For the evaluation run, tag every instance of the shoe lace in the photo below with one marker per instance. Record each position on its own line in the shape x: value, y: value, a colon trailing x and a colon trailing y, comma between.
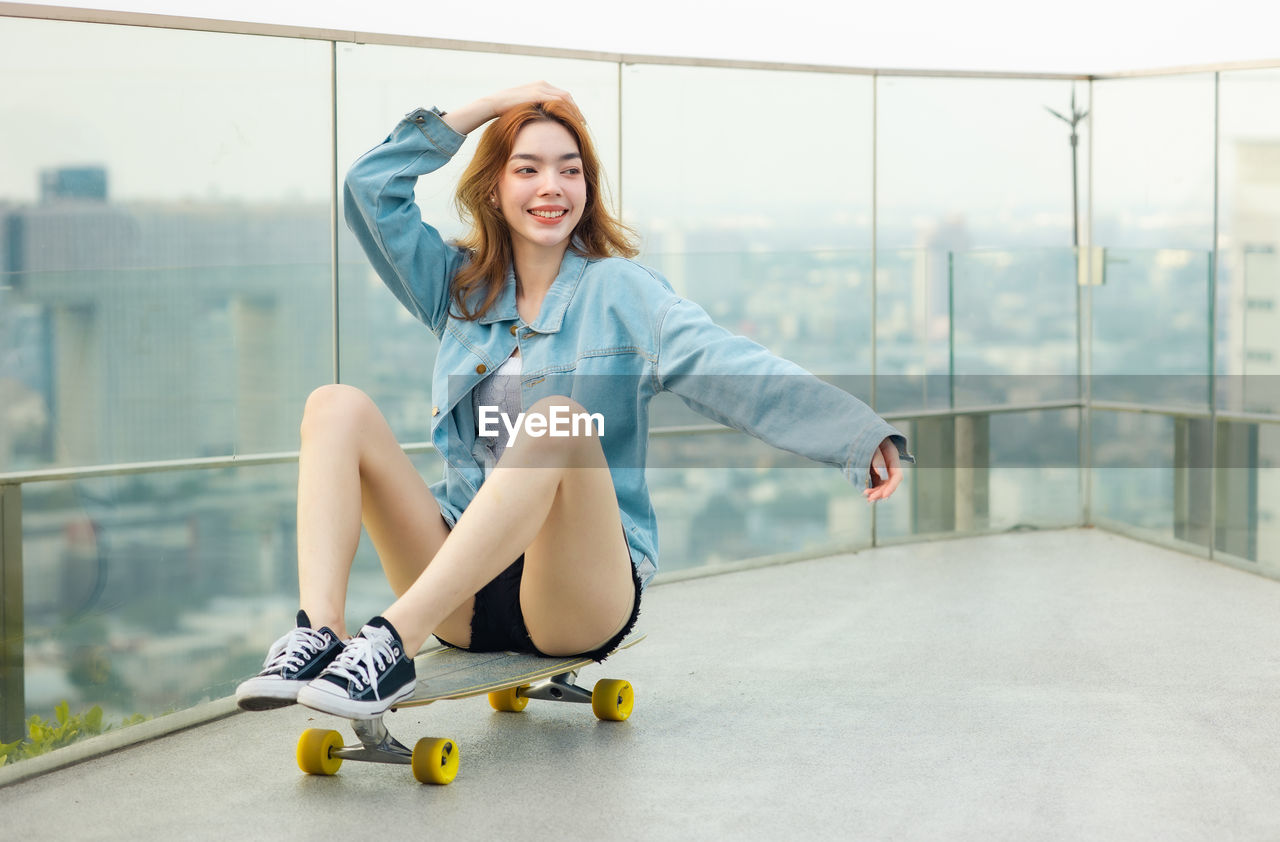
x: 292, y: 650
x: 362, y: 658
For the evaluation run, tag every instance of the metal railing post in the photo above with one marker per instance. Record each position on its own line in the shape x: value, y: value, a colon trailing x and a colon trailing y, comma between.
x: 12, y: 667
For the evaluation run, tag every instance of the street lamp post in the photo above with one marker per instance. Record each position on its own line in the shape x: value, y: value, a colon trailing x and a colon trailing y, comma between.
x: 1073, y: 121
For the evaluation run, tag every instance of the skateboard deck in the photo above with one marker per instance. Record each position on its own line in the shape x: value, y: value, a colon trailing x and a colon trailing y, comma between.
x: 510, y: 679
x: 448, y: 673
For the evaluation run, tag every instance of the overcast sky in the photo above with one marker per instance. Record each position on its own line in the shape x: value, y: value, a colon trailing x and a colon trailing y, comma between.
x: 159, y: 86
x: 1081, y: 36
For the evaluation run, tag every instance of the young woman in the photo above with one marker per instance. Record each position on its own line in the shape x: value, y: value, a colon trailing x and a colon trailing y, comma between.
x: 541, y: 543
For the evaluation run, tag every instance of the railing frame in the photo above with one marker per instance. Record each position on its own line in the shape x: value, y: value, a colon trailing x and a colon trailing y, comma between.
x: 11, y: 484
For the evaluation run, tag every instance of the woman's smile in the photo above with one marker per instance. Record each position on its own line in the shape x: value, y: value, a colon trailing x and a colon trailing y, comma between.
x: 549, y: 216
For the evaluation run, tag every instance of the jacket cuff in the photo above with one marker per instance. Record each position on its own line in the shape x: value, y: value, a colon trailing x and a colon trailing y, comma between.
x: 441, y: 135
x: 858, y: 469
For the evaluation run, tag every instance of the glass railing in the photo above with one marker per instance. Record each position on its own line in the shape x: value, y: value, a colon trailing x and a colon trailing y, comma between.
x: 147, y: 592
x: 1152, y: 331
x: 111, y: 366
x: 169, y: 295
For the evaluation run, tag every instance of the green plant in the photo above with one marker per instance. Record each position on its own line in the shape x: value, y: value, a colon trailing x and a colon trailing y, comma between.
x: 65, y: 729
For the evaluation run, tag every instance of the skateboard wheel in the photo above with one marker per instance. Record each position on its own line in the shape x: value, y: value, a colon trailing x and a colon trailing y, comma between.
x: 435, y: 761
x: 315, y: 751
x: 612, y: 699
x: 509, y: 700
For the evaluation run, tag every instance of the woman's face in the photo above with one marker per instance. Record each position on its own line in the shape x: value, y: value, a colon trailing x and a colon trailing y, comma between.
x: 543, y: 192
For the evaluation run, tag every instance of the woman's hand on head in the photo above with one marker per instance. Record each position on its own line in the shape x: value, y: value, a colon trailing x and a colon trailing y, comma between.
x: 472, y: 116
x: 886, y: 472
x: 503, y: 101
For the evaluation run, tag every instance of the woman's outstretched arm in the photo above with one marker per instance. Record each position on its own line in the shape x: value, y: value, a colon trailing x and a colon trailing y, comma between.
x: 739, y: 383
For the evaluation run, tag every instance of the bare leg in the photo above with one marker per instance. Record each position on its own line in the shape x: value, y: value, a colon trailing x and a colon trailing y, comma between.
x: 553, y: 499
x: 352, y: 470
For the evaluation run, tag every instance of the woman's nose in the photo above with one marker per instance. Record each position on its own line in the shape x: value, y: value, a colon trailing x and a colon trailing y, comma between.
x: 550, y: 184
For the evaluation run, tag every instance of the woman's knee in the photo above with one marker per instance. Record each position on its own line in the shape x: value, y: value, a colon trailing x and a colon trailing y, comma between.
x: 336, y: 406
x: 560, y: 426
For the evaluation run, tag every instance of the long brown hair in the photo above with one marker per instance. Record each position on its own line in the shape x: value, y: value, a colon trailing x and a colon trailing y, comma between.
x: 597, y: 234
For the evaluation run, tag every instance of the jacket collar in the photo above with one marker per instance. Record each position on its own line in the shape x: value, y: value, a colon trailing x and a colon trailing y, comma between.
x: 551, y: 316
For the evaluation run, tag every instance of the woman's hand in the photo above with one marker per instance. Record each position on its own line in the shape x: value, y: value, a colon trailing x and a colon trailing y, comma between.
x: 886, y: 472
x: 472, y: 116
x: 503, y: 101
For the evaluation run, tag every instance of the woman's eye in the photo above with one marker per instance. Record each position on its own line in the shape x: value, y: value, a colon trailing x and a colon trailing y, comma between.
x: 573, y: 171
x: 524, y: 170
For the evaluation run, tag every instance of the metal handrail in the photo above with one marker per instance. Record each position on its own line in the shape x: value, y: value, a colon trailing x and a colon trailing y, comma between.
x: 285, y: 457
x: 233, y: 27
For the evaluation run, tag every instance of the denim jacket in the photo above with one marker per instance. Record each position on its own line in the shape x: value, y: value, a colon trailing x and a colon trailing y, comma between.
x: 611, y: 334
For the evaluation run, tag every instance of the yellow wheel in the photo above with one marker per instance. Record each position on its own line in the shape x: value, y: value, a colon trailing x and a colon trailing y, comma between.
x: 612, y: 699
x: 509, y: 700
x: 315, y: 751
x: 435, y: 761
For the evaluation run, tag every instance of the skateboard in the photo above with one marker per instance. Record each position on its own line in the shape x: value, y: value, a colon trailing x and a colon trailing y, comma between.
x: 509, y: 679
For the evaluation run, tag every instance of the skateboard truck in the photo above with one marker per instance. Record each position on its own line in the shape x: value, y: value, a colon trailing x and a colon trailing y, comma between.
x: 321, y: 752
x: 376, y: 744
x: 561, y: 688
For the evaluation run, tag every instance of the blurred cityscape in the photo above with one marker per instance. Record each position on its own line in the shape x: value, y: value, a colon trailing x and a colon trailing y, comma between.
x: 148, y: 331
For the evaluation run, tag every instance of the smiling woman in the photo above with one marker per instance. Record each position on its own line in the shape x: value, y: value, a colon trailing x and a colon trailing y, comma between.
x: 537, y: 157
x: 544, y: 544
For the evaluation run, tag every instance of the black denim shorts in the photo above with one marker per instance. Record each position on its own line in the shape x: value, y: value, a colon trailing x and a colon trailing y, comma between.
x: 498, y: 622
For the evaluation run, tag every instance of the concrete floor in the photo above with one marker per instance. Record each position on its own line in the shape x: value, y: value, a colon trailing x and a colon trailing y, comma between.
x: 1055, y: 685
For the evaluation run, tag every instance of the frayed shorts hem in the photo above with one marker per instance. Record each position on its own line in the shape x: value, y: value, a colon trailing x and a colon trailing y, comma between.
x: 497, y: 624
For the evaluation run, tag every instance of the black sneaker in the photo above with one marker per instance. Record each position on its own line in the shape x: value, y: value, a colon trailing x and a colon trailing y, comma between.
x: 292, y: 663
x: 370, y: 675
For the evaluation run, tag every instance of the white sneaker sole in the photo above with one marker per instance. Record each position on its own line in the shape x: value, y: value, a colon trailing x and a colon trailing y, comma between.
x: 265, y: 693
x: 318, y: 696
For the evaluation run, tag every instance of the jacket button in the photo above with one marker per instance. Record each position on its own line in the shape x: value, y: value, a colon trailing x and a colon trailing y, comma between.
x: 480, y: 369
x: 514, y: 328
x: 435, y: 410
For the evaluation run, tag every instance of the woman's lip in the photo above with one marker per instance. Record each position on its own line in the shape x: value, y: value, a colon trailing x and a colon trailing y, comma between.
x: 549, y: 220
